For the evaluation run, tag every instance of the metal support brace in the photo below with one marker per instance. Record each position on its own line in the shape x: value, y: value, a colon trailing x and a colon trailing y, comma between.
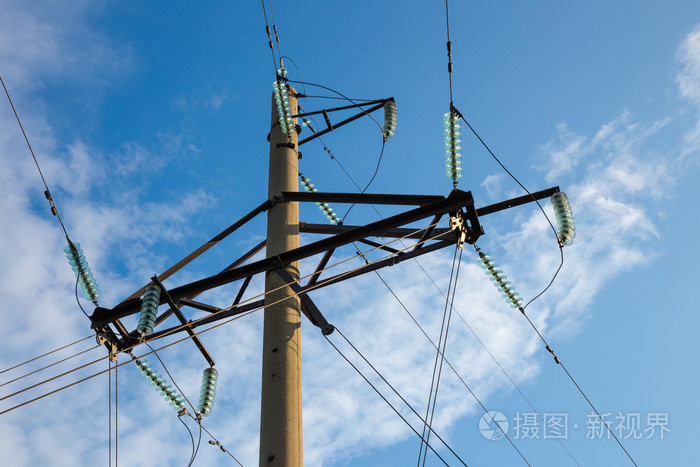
x: 308, y: 307
x: 176, y: 309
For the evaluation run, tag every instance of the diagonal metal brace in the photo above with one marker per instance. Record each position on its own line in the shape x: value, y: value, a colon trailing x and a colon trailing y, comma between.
x: 176, y: 310
x: 307, y: 305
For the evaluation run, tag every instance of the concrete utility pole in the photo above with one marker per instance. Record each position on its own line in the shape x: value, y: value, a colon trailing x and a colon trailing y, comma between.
x: 280, y: 414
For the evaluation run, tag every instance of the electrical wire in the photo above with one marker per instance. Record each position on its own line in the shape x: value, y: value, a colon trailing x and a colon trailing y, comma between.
x: 169, y: 375
x: 483, y: 345
x: 116, y: 412
x: 195, y: 333
x: 440, y: 351
x: 199, y: 442
x: 49, y: 366
x: 298, y: 72
x: 47, y: 192
x: 179, y: 417
x: 274, y: 28
x: 216, y: 442
x: 269, y: 36
x: 384, y: 397
x: 77, y: 299
x: 109, y: 416
x: 454, y: 370
x: 54, y: 209
x: 558, y: 361
x: 449, y: 46
x: 47, y: 354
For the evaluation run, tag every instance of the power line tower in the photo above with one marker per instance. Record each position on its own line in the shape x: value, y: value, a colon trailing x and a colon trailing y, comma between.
x: 287, y: 295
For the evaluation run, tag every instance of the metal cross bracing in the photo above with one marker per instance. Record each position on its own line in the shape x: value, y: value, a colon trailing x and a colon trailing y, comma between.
x: 464, y: 228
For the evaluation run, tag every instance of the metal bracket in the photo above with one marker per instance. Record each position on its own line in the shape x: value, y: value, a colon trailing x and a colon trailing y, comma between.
x: 104, y: 339
x: 175, y: 307
x: 459, y: 225
x: 308, y: 307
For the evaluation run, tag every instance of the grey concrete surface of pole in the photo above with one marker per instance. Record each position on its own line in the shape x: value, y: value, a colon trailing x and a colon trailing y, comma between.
x: 281, y: 409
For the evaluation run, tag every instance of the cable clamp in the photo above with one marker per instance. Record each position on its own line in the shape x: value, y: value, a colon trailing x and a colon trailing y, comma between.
x: 106, y: 340
x: 458, y: 224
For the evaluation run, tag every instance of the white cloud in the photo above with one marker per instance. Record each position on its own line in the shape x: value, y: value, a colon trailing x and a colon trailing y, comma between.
x: 688, y: 79
x: 565, y: 152
x: 689, y: 57
x: 492, y: 184
x: 44, y: 39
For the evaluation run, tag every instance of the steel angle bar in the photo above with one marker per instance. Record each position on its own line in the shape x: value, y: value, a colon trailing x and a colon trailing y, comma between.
x: 199, y: 251
x: 321, y: 265
x: 511, y: 203
x: 222, y: 314
x: 308, y: 307
x: 330, y: 229
x: 357, y: 198
x: 339, y: 124
x: 391, y: 261
x: 344, y: 107
x: 183, y: 321
x: 245, y: 257
x: 455, y: 201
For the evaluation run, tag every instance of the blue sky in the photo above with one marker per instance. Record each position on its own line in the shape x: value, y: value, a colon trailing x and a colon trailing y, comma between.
x: 149, y: 121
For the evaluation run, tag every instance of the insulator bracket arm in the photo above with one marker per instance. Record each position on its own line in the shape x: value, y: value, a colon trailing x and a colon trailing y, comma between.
x: 308, y: 307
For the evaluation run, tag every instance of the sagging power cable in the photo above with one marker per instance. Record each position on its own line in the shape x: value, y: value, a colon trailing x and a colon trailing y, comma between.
x: 395, y: 392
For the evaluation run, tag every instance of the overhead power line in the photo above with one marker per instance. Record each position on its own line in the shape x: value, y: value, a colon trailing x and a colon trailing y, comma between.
x: 47, y: 193
x: 395, y: 392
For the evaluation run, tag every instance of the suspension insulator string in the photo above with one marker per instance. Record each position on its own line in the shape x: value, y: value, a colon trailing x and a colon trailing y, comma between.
x: 208, y: 392
x: 390, y: 118
x: 171, y: 395
x: 149, y: 307
x: 284, y: 111
x: 82, y: 271
x: 323, y: 206
x: 566, y: 229
x: 453, y: 147
x: 499, y: 279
